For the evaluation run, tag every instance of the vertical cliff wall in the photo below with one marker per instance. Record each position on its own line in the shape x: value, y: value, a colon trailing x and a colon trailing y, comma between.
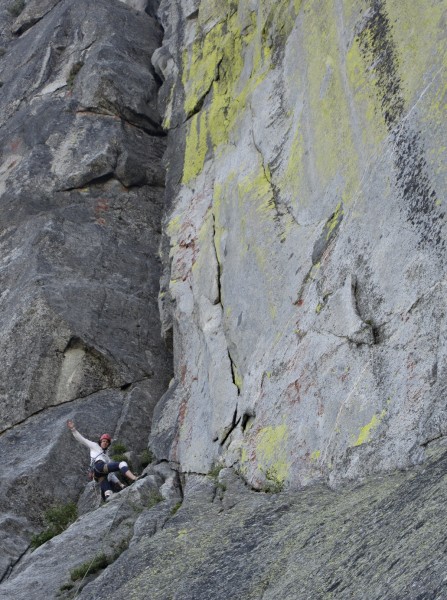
x: 302, y: 292
x: 305, y: 242
x: 81, y: 195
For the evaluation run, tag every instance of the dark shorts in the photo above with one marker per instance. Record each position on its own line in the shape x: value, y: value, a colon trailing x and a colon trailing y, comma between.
x: 112, y: 467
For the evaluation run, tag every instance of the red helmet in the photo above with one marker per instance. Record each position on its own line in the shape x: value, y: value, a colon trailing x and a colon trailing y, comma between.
x: 105, y: 436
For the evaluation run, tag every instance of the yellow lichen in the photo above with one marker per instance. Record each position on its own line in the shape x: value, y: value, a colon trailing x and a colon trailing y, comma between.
x: 238, y: 379
x: 200, y: 65
x: 174, y: 225
x: 364, y: 92
x: 366, y: 431
x: 329, y: 115
x: 169, y: 108
x: 294, y: 180
x: 297, y: 5
x: 418, y: 30
x: 182, y: 533
x: 315, y: 455
x: 271, y: 451
x: 196, y: 147
x: 214, y: 65
x: 334, y: 220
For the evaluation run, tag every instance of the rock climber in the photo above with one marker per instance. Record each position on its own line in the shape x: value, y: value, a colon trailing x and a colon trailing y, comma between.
x: 101, y: 461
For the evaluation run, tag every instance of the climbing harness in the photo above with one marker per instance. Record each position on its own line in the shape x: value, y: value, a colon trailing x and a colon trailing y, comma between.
x: 91, y: 475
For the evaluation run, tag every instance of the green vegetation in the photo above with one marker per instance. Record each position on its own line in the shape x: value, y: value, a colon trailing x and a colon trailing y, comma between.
x: 175, y: 508
x: 274, y: 483
x: 16, y: 7
x: 100, y: 561
x: 117, y: 448
x: 215, y: 470
x: 118, y: 453
x: 58, y: 518
x: 66, y: 586
x: 272, y: 457
x: 73, y: 72
x: 154, y: 499
x: 214, y: 474
x: 146, y: 458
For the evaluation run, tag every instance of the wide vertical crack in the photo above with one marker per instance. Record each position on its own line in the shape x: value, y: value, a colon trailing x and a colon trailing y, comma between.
x: 219, y: 266
x: 234, y: 423
x: 219, y: 300
x: 234, y: 373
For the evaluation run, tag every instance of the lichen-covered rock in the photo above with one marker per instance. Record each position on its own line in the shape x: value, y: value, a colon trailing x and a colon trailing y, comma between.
x: 302, y: 291
x: 81, y: 197
x: 380, y: 540
x: 304, y: 254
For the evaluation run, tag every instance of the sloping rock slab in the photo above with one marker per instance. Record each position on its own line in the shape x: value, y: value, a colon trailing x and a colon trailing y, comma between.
x: 383, y: 539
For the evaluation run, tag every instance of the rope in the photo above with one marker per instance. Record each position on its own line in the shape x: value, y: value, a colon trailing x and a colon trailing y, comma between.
x: 104, y: 537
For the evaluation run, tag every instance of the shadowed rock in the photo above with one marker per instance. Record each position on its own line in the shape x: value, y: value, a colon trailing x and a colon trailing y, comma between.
x: 81, y: 195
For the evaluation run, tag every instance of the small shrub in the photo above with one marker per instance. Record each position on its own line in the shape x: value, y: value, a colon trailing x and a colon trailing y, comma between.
x: 16, y: 7
x: 215, y: 470
x: 40, y: 538
x: 119, y: 457
x: 58, y: 518
x: 175, y: 508
x: 274, y: 483
x: 66, y: 586
x: 117, y: 448
x: 154, y: 499
x: 146, y: 458
x: 274, y: 487
x: 100, y: 561
x: 117, y: 453
x: 73, y: 72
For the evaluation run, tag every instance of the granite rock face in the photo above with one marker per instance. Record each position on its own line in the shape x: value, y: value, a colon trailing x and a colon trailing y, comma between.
x: 304, y: 249
x: 302, y: 292
x: 378, y: 540
x: 106, y: 532
x: 81, y: 196
x: 317, y: 543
